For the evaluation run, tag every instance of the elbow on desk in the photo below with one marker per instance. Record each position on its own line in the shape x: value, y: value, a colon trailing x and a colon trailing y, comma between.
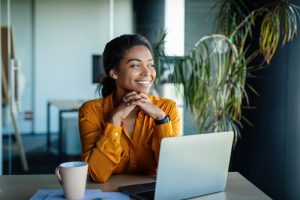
x: 97, y: 173
x: 98, y: 177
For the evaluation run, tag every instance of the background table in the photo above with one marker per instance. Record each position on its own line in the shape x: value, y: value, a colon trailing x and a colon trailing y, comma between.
x: 63, y: 106
x: 24, y: 186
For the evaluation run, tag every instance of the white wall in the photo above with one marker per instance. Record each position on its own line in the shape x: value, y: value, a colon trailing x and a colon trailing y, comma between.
x: 123, y: 17
x: 67, y: 33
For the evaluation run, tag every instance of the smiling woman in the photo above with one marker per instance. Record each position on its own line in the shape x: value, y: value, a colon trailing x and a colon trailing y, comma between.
x: 121, y: 132
x: 136, y: 71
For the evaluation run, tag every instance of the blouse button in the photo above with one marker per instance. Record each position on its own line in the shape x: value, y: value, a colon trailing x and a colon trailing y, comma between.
x: 116, y: 134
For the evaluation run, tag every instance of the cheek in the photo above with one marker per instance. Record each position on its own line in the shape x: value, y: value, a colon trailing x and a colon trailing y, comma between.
x: 153, y: 73
x: 125, y: 75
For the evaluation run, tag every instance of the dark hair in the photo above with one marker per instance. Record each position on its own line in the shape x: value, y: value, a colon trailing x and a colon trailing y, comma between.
x: 113, y: 52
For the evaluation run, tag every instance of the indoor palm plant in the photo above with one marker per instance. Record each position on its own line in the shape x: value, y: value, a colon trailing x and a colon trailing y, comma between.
x: 279, y: 19
x: 214, y: 72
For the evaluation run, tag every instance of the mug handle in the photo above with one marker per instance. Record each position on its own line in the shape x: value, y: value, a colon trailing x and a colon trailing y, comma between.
x: 57, y: 173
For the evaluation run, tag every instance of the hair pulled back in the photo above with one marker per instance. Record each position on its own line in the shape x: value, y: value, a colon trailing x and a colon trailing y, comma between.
x: 113, y: 52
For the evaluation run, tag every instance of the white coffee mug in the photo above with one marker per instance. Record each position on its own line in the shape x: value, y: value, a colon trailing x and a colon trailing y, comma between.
x: 72, y: 176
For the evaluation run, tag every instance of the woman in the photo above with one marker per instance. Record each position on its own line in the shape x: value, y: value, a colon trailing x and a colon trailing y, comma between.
x: 121, y: 132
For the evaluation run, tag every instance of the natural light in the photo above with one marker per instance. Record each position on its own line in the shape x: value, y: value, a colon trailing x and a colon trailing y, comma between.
x: 174, y: 24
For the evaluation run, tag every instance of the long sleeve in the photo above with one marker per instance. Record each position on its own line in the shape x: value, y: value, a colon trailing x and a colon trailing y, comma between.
x: 109, y: 150
x: 100, y: 142
x: 170, y: 129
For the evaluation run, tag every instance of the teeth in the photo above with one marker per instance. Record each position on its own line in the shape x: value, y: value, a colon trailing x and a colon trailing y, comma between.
x: 144, y: 82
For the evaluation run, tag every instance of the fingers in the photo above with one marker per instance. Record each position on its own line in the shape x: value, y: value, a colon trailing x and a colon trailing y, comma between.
x: 137, y: 103
x: 144, y: 97
x: 147, y: 107
x: 129, y: 95
x: 130, y: 101
x: 142, y: 101
x: 120, y: 112
x: 134, y: 96
x: 136, y: 99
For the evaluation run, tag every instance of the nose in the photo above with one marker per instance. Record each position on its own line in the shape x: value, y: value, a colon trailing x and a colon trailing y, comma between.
x: 145, y: 70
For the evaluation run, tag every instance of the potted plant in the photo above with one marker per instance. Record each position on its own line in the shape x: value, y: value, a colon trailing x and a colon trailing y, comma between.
x: 213, y: 74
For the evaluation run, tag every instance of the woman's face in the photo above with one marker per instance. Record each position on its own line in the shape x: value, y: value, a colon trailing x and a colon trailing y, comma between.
x: 136, y: 71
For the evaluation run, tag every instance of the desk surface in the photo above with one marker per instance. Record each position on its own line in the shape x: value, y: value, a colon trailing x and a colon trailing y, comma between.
x: 66, y: 104
x: 24, y: 186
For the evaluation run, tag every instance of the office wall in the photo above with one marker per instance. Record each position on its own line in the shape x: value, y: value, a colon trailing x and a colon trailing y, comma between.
x: 269, y: 153
x: 66, y: 33
x: 55, y: 41
x: 292, y: 127
x: 123, y: 17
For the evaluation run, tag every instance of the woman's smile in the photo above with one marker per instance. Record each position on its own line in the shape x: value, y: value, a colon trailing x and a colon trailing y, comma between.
x: 146, y: 83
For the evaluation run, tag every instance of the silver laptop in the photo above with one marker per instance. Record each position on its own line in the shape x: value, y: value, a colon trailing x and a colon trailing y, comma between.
x: 189, y: 166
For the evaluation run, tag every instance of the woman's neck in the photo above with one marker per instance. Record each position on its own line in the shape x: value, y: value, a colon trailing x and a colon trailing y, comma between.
x: 117, y: 100
x: 118, y: 96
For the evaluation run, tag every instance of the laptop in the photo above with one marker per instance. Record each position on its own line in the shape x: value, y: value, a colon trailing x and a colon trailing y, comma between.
x: 189, y: 166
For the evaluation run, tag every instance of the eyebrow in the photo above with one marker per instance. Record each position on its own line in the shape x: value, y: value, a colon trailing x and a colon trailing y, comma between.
x: 136, y: 59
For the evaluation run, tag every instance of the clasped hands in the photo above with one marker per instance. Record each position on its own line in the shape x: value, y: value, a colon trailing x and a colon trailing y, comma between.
x: 132, y: 100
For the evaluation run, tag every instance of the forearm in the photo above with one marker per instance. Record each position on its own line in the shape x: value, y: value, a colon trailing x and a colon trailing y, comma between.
x: 169, y: 129
x: 160, y: 132
x: 105, y: 154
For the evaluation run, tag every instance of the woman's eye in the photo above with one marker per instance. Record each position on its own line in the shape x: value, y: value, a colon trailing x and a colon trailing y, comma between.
x: 135, y: 65
x: 151, y: 65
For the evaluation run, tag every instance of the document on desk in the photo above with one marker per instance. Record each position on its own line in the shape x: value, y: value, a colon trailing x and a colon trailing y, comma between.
x: 95, y: 194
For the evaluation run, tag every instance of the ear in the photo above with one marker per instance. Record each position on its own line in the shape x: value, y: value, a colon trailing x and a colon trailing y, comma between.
x: 113, y: 74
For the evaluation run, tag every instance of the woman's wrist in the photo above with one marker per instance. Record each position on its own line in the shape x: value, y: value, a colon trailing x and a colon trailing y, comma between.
x: 115, y: 120
x: 161, y: 115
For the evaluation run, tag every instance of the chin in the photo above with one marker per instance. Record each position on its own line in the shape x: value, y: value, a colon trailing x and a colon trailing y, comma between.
x: 145, y: 91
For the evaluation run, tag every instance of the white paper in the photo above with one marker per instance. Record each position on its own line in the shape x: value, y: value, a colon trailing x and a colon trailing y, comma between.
x: 90, y: 194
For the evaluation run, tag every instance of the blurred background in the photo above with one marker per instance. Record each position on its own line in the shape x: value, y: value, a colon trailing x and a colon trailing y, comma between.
x: 50, y: 65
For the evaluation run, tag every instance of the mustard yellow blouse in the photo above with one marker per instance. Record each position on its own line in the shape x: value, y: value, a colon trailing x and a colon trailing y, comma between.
x: 110, y: 150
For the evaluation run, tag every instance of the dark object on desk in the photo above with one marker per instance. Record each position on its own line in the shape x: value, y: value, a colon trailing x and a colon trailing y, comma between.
x: 98, y: 69
x: 140, y: 191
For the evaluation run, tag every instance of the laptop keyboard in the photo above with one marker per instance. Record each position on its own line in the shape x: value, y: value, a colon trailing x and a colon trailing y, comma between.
x: 149, y: 186
x: 143, y: 191
x: 149, y: 195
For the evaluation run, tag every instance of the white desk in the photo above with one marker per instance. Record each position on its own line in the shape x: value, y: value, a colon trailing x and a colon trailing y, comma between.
x: 63, y: 106
x: 24, y: 186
